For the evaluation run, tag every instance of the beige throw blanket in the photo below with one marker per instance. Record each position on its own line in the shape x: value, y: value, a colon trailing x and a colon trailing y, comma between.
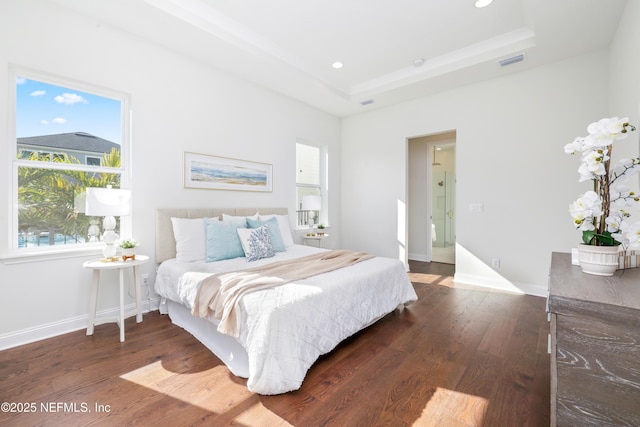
x: 219, y: 294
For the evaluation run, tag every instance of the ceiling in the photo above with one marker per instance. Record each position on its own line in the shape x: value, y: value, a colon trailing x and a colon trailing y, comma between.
x: 289, y: 46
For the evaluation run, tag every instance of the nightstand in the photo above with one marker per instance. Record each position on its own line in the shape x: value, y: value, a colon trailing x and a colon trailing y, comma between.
x: 317, y: 238
x: 98, y: 266
x: 594, y: 336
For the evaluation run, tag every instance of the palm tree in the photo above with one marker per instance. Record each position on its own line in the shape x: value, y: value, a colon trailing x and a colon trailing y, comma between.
x: 47, y: 197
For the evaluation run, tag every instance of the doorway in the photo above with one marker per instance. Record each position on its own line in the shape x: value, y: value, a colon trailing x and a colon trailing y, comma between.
x: 431, y: 198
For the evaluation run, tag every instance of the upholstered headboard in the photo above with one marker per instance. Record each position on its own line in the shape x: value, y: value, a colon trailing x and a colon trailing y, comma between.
x: 166, y: 243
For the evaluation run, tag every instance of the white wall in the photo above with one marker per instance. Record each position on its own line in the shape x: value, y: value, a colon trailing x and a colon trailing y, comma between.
x: 624, y: 77
x: 510, y: 137
x: 625, y: 87
x: 178, y: 105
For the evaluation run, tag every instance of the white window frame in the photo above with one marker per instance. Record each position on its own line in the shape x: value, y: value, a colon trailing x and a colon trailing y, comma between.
x: 86, y: 159
x: 323, y: 187
x: 11, y: 253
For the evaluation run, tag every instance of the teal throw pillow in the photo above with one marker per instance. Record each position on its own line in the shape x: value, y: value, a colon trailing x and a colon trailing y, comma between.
x: 222, y: 241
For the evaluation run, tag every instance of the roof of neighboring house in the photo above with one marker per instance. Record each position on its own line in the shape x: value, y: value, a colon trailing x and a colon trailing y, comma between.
x: 79, y: 141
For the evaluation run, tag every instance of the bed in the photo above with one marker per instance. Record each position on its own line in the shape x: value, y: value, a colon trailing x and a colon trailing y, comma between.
x: 283, y: 329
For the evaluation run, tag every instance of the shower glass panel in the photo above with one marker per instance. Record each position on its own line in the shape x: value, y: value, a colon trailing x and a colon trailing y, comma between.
x: 443, y: 210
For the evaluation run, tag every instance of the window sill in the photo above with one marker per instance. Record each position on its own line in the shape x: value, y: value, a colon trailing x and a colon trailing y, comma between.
x: 305, y: 229
x: 17, y: 257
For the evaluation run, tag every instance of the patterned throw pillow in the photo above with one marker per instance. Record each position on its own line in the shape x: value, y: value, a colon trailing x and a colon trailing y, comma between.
x: 274, y: 231
x: 256, y: 243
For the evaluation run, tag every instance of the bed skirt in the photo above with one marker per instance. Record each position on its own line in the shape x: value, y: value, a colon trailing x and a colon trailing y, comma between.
x: 227, y: 348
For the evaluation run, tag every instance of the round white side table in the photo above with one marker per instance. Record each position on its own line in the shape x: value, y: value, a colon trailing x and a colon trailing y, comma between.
x: 98, y: 266
x: 316, y: 238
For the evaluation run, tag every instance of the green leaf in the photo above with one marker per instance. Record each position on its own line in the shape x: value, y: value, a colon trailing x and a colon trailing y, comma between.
x: 587, y: 237
x: 604, y: 239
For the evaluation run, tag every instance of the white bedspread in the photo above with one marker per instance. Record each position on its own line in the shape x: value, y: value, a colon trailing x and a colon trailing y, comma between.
x: 287, y: 328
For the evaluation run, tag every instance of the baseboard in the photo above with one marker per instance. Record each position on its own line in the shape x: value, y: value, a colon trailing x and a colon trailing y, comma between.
x: 53, y: 329
x: 535, y: 290
x: 418, y: 257
x: 501, y: 285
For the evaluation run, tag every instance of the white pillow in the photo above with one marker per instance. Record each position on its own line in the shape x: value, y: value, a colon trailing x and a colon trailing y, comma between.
x: 190, y: 238
x: 283, y: 225
x: 256, y: 243
x: 240, y: 221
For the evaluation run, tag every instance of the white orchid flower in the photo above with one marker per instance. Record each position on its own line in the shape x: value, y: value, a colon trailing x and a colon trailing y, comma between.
x: 607, y: 130
x: 575, y: 147
x: 611, y: 195
x: 613, y: 223
x: 632, y: 236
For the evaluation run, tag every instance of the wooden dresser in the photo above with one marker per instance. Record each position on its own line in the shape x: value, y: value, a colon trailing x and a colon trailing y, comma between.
x: 595, y: 346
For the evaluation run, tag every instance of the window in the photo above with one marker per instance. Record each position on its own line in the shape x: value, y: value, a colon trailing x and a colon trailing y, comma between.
x: 68, y: 137
x: 93, y: 161
x: 309, y: 177
x: 25, y: 154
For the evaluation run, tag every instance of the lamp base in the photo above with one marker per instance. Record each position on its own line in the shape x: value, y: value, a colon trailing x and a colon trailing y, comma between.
x: 109, y: 250
x: 109, y: 237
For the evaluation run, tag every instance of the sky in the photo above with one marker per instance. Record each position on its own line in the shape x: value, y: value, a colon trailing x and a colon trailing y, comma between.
x: 46, y: 109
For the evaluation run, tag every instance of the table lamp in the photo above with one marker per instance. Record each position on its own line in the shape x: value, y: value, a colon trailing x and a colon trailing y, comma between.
x: 109, y: 203
x: 311, y: 204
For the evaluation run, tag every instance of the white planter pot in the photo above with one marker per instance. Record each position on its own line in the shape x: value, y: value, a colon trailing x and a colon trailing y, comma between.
x: 598, y: 260
x: 128, y: 253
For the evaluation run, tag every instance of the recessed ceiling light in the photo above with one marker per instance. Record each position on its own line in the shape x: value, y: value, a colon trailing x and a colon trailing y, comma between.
x: 337, y: 65
x: 482, y: 3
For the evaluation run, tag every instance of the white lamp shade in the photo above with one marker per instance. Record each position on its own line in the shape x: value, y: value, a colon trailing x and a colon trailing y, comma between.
x: 311, y: 203
x: 107, y: 202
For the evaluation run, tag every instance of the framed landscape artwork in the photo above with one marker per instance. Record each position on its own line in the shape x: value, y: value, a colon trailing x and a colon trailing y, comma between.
x: 221, y: 173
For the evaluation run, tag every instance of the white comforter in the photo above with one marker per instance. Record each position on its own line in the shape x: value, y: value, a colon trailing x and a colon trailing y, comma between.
x: 287, y: 328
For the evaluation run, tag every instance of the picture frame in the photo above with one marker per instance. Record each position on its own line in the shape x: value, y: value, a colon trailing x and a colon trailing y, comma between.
x: 209, y: 172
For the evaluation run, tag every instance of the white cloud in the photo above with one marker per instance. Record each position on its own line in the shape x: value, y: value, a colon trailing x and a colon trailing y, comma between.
x: 70, y: 98
x: 56, y: 121
x: 37, y: 93
x: 20, y: 80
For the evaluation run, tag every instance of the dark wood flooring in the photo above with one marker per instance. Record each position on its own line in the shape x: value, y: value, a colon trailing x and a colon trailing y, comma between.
x: 457, y: 357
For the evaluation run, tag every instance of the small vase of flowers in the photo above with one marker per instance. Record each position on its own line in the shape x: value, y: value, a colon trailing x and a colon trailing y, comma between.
x: 601, y: 214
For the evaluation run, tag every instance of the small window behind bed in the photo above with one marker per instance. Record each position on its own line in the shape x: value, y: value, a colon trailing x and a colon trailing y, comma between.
x: 309, y: 177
